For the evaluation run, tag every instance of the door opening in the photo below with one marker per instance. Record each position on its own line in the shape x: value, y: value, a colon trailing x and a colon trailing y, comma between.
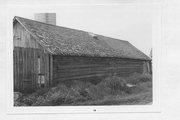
x: 41, y: 78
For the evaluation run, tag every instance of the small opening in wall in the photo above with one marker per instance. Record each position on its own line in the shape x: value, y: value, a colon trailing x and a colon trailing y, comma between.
x: 16, y: 37
x: 93, y: 35
x: 41, y: 76
x: 41, y: 80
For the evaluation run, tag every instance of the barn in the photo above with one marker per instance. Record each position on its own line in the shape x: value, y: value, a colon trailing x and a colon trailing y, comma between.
x: 45, y: 54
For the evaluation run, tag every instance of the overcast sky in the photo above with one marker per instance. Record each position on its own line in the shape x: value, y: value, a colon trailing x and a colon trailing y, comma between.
x: 126, y: 21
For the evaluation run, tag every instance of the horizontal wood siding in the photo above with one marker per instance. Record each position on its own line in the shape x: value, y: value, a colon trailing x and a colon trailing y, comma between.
x: 26, y: 68
x: 66, y: 67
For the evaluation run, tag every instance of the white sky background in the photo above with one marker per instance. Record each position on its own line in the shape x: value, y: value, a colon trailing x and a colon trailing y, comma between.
x: 130, y: 22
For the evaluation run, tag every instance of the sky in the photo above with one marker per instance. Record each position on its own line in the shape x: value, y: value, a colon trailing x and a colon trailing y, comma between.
x: 130, y: 22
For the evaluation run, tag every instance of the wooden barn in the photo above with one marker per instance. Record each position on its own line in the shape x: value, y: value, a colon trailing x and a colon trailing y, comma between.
x: 46, y: 54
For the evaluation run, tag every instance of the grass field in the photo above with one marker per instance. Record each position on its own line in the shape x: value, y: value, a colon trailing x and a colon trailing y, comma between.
x: 114, y: 90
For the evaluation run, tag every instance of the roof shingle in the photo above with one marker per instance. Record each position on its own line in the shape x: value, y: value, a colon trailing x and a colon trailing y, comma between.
x: 60, y: 40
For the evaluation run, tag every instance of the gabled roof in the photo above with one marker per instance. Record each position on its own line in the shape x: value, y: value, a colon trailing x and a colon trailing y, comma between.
x: 65, y: 41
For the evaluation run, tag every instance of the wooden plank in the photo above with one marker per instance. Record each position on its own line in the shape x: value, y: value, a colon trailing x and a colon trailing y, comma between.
x: 51, y: 69
x: 19, y: 82
x: 94, y: 71
x: 47, y: 70
x: 64, y: 69
x: 81, y: 67
x: 23, y: 68
x: 14, y: 78
x: 15, y: 70
x: 19, y: 69
x: 30, y: 69
x: 26, y: 68
x: 91, y: 73
x: 32, y: 55
x: 26, y: 77
x: 79, y: 77
x: 34, y: 67
x: 32, y: 79
x: 43, y: 63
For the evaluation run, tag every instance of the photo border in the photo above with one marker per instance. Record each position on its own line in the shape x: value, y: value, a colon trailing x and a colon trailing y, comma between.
x: 154, y: 108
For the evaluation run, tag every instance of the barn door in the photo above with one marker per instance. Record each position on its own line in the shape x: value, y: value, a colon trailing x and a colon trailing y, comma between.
x: 24, y: 72
x: 31, y: 69
x: 41, y: 72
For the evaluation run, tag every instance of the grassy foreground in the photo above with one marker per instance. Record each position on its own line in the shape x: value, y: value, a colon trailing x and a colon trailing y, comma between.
x: 134, y: 90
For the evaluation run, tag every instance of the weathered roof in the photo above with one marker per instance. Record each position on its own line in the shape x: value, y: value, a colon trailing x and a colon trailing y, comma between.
x: 65, y: 41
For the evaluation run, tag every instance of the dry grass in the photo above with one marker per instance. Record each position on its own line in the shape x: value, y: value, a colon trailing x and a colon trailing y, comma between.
x: 137, y: 78
x: 110, y: 91
x: 140, y: 98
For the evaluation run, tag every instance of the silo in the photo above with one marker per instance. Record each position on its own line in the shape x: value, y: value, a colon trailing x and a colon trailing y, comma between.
x: 49, y: 18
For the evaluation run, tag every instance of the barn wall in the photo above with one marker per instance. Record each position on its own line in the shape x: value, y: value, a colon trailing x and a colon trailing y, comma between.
x: 146, y: 67
x: 25, y: 57
x: 22, y: 38
x: 26, y: 71
x: 68, y: 68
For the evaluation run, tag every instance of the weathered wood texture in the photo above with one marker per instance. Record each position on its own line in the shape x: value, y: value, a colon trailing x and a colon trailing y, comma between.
x: 26, y: 68
x: 22, y: 38
x: 58, y: 68
x: 147, y: 67
x: 69, y: 67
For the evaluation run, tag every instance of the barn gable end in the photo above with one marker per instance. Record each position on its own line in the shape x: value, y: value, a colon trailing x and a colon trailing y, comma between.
x: 26, y: 54
x: 22, y: 38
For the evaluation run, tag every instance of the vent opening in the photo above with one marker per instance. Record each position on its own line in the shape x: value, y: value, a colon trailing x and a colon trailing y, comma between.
x: 93, y: 35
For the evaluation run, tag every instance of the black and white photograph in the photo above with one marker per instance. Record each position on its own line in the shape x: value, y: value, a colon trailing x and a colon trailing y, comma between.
x: 83, y: 56
x: 89, y: 59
